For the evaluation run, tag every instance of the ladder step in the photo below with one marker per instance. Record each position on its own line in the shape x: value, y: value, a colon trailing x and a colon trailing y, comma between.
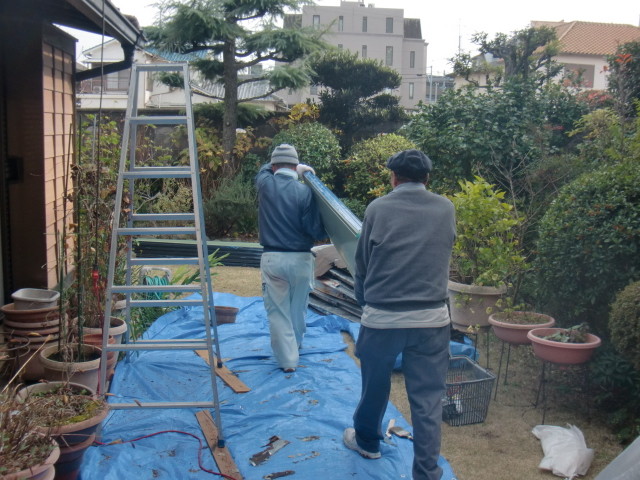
x: 178, y: 302
x: 159, y: 120
x: 166, y: 261
x: 156, y: 288
x: 163, y: 217
x: 156, y: 231
x: 168, y: 172
x: 160, y: 67
x: 197, y: 344
x: 119, y: 406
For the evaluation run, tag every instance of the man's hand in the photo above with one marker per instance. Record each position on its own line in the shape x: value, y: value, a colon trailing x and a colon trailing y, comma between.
x: 301, y: 168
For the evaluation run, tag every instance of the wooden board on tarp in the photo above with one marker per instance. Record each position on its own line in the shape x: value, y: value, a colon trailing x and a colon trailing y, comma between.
x: 226, y: 375
x: 326, y: 309
x: 221, y: 455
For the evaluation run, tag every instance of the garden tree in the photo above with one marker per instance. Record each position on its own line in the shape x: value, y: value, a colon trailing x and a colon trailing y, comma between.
x: 499, y: 134
x: 624, y: 78
x: 353, y: 101
x: 238, y: 34
x: 526, y: 54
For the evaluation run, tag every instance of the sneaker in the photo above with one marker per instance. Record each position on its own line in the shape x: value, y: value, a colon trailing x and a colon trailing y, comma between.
x: 349, y: 439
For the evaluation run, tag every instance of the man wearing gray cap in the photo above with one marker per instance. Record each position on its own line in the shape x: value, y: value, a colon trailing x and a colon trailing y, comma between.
x: 289, y: 223
x: 402, y: 269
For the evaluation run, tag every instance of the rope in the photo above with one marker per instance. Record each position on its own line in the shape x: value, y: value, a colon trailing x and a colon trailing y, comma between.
x: 200, y: 448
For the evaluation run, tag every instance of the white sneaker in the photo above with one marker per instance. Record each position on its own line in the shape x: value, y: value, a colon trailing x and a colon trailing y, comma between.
x: 349, y: 439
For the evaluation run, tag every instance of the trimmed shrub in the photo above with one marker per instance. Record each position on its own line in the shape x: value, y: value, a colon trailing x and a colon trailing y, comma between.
x: 365, y: 174
x: 589, y: 245
x: 317, y: 146
x: 624, y: 323
x: 232, y: 210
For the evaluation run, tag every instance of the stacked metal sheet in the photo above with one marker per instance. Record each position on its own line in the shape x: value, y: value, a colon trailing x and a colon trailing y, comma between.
x: 333, y: 294
x: 241, y: 254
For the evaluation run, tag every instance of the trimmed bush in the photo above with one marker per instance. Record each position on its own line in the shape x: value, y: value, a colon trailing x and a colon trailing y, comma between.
x: 365, y: 174
x: 624, y: 323
x: 232, y: 210
x: 317, y: 146
x: 589, y: 245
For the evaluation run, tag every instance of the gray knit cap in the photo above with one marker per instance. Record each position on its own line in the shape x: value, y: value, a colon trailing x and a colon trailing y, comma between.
x: 284, y: 153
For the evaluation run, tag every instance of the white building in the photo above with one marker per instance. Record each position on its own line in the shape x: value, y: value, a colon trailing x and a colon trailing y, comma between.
x: 380, y: 33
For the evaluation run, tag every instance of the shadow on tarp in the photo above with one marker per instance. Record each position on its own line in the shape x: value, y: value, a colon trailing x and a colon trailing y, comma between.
x: 309, y: 408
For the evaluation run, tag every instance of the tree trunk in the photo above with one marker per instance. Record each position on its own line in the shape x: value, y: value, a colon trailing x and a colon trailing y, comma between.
x: 230, y: 116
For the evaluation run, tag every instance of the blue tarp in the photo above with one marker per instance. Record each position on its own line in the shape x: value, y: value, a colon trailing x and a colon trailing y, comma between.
x: 309, y: 408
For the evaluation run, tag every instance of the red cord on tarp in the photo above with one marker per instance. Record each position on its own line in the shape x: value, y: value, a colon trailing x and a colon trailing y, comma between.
x: 174, y: 431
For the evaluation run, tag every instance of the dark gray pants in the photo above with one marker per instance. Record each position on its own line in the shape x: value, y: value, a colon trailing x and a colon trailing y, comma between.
x: 425, y: 359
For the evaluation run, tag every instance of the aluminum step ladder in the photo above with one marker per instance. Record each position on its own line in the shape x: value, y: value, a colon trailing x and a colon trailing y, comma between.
x: 130, y: 224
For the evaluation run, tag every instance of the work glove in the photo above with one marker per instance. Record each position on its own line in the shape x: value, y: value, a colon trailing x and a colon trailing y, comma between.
x: 301, y: 168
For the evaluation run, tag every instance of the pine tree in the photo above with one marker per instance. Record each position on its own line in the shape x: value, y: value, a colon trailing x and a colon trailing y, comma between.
x: 237, y: 35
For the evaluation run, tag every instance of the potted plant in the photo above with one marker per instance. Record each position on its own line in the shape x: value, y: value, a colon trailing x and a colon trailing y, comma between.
x: 566, y: 346
x: 486, y: 254
x: 512, y: 326
x: 24, y: 452
x: 69, y: 413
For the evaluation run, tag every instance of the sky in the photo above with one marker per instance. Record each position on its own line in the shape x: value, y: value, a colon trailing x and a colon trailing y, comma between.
x: 448, y: 27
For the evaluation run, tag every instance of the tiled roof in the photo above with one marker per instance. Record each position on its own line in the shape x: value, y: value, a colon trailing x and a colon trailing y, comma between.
x: 177, y: 57
x: 589, y: 38
x: 245, y: 90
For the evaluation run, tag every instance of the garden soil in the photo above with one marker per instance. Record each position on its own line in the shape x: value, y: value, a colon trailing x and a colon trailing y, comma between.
x: 502, y: 447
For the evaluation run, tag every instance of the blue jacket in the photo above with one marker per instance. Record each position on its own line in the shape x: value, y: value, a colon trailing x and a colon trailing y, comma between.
x: 288, y: 217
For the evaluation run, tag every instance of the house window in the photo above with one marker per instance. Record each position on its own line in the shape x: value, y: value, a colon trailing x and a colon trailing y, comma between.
x: 364, y: 24
x: 411, y: 90
x: 341, y: 23
x: 316, y: 21
x: 364, y: 51
x: 118, y: 81
x: 389, y: 57
x: 340, y: 46
x: 579, y: 75
x: 313, y: 90
x: 412, y: 59
x: 389, y: 24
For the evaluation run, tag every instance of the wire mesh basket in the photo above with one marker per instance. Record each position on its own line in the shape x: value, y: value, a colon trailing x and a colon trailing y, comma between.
x: 468, y: 392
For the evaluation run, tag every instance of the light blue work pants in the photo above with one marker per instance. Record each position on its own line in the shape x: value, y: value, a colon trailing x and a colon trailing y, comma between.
x: 425, y: 359
x: 286, y: 282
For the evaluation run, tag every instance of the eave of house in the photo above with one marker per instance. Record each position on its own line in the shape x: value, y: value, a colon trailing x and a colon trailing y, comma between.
x: 84, y: 15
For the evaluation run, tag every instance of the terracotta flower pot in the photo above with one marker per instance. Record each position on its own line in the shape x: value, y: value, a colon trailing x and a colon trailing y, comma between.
x: 117, y: 328
x: 73, y: 438
x: 44, y: 471
x: 469, y: 304
x: 30, y: 316
x: 225, y: 314
x: 515, y: 331
x: 560, y: 352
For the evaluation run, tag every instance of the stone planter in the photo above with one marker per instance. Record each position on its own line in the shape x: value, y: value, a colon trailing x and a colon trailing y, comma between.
x: 85, y: 373
x: 471, y: 305
x: 560, y: 352
x: 515, y: 331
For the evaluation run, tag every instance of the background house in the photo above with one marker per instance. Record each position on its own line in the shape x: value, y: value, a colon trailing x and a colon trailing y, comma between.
x: 111, y: 92
x: 37, y: 127
x: 584, y: 48
x: 379, y: 33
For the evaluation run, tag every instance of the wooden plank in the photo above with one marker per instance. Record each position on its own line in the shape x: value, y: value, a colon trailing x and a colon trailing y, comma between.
x: 226, y: 375
x: 222, y: 456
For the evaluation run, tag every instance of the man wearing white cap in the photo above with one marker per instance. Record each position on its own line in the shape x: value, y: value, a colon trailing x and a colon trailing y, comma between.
x: 289, y: 223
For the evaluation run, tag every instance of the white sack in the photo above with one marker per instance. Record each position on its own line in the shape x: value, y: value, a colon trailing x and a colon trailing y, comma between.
x: 565, y: 451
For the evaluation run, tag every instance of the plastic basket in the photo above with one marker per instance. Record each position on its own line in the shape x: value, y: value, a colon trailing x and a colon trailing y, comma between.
x: 468, y: 392
x: 34, y: 298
